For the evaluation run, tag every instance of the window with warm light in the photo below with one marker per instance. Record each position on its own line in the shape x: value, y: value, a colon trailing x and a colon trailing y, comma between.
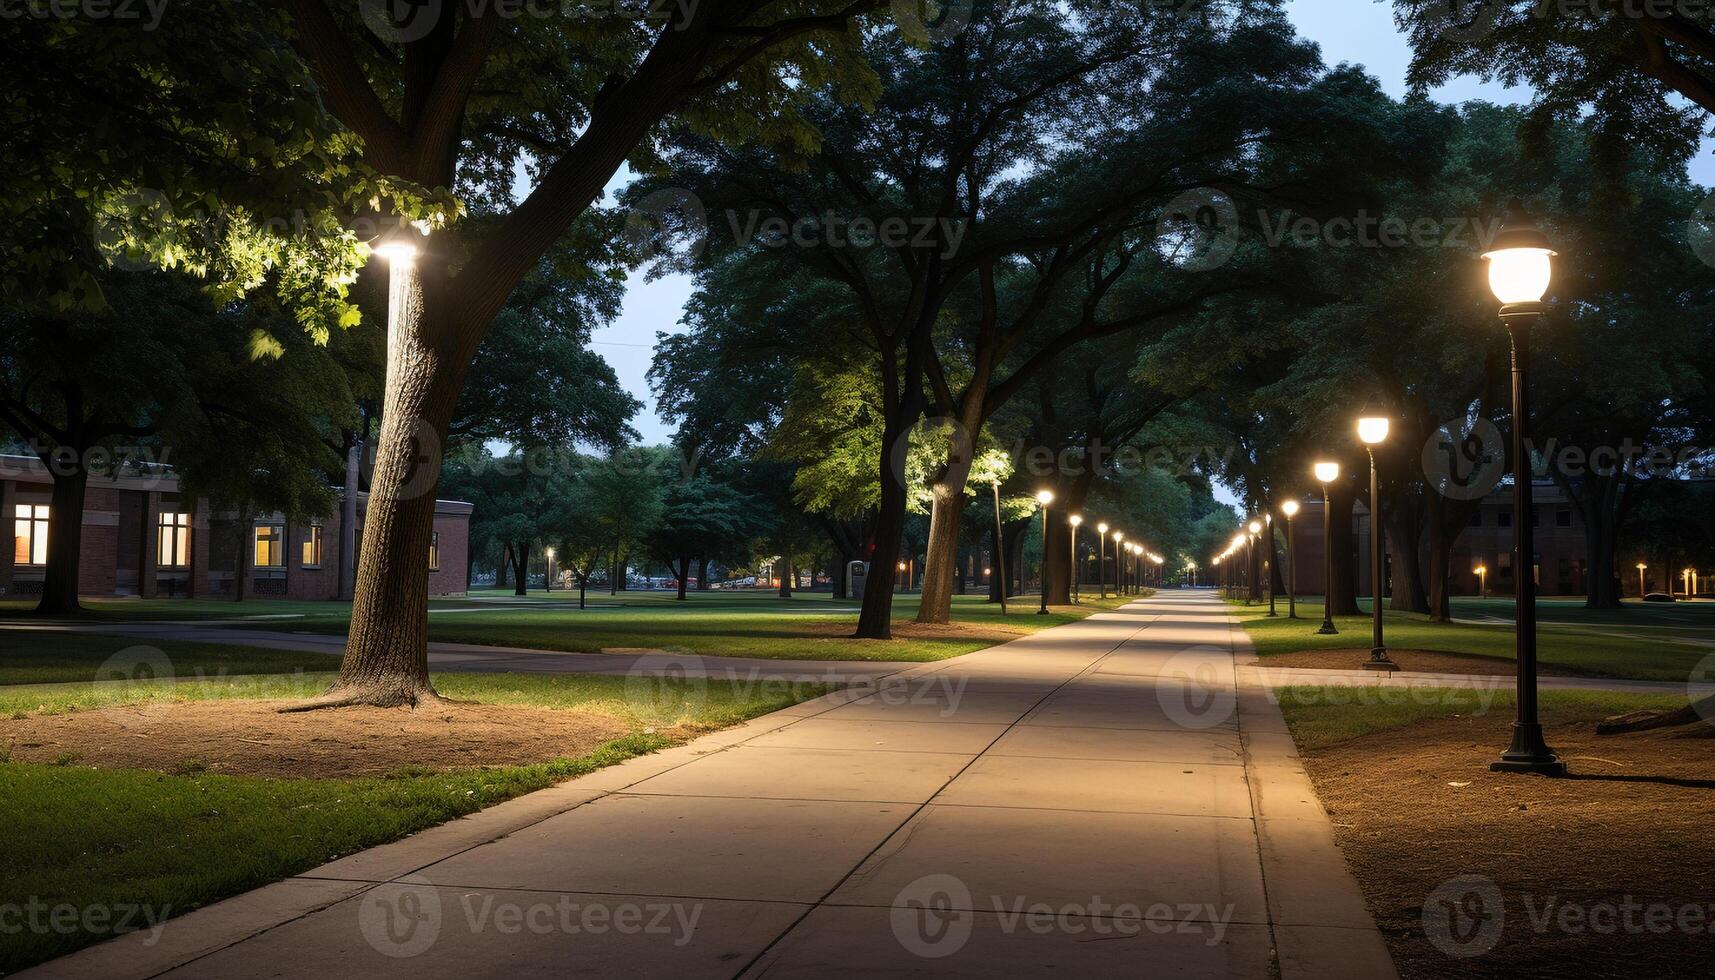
x: 173, y: 540
x: 434, y: 551
x: 30, y: 534
x: 311, y: 556
x: 270, y: 551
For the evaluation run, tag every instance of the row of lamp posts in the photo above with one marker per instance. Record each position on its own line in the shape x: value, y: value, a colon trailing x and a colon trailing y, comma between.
x: 1520, y: 267
x: 1132, y: 560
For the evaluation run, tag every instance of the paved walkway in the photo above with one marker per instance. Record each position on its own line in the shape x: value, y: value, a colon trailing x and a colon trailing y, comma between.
x: 1111, y: 796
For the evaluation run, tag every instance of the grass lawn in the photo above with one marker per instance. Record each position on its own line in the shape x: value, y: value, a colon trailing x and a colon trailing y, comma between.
x: 1472, y: 873
x: 47, y: 657
x: 108, y: 838
x: 1646, y: 642
x: 808, y: 626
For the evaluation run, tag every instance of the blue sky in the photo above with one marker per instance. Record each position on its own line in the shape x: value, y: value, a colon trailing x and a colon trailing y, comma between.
x: 1355, y: 31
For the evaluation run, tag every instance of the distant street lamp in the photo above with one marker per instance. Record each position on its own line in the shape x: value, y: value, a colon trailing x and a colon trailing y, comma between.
x: 1268, y: 561
x: 1326, y: 474
x: 999, y: 549
x: 1251, y: 571
x: 1102, y: 555
x: 1372, y: 431
x: 1290, y: 509
x: 1521, y: 266
x: 1482, y: 581
x: 1044, y: 497
x: 1642, y: 589
x: 1075, y: 520
x: 548, y: 570
x: 1119, y: 546
x: 1158, y: 560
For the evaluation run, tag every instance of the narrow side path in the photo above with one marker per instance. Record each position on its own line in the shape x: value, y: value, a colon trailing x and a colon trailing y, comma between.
x: 1108, y: 796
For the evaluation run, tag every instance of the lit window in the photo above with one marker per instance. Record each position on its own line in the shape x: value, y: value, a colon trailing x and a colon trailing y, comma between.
x: 313, y: 546
x: 173, y: 540
x: 434, y: 551
x: 30, y: 535
x: 268, y: 551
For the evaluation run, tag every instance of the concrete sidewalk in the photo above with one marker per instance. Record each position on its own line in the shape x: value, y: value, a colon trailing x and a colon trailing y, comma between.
x: 1110, y: 796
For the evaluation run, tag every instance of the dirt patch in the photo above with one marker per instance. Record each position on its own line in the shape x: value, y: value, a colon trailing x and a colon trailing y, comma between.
x: 251, y: 738
x: 1417, y: 807
x: 1426, y: 661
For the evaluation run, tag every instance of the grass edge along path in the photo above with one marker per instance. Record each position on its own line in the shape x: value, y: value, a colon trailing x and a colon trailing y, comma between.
x: 114, y: 844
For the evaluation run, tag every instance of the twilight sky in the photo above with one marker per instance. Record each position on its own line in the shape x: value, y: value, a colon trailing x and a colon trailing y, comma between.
x: 1356, y: 31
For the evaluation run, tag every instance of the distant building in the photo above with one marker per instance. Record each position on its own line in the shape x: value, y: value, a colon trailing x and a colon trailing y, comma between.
x: 142, y: 537
x: 1559, y: 565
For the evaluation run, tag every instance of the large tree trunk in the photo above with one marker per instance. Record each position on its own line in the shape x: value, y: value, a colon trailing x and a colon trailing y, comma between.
x: 1343, y: 590
x: 947, y: 506
x: 787, y: 573
x: 875, y: 620
x: 684, y: 572
x: 1440, y: 567
x: 65, y: 542
x: 702, y: 574
x: 504, y: 566
x: 386, y: 653
x: 1402, y: 539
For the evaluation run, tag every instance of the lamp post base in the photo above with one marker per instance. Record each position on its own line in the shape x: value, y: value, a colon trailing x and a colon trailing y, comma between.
x: 1379, y: 661
x: 1529, y: 753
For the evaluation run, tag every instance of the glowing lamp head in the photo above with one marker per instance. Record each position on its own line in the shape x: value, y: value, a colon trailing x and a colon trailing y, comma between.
x: 549, y: 552
x: 1119, y: 536
x: 902, y: 566
x: 1044, y: 497
x: 1290, y: 509
x: 1102, y: 528
x: 1642, y: 566
x: 1157, y: 559
x: 1373, y: 423
x: 1521, y: 265
x: 1326, y: 472
x: 399, y: 244
x: 1075, y: 520
x: 1255, y: 527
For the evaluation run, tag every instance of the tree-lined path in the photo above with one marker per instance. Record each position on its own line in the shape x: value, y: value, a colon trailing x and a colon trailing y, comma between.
x: 1100, y: 795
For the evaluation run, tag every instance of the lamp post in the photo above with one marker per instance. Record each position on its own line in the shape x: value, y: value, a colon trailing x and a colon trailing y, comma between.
x: 1159, y: 581
x: 1044, y: 497
x: 547, y: 569
x: 1372, y: 431
x: 1075, y: 520
x: 1482, y: 581
x: 1643, y: 589
x: 1254, y: 529
x: 999, y: 549
x: 1290, y: 509
x: 1119, y: 546
x: 1102, y: 555
x: 1326, y: 473
x: 1521, y: 265
x: 1268, y: 561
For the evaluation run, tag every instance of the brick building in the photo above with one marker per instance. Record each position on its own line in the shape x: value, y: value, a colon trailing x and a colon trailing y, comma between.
x: 142, y: 537
x: 1487, y: 542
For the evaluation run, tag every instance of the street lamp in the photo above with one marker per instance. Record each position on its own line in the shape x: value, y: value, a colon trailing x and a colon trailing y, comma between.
x: 1643, y: 590
x: 1119, y: 543
x: 1326, y: 473
x: 1521, y: 265
x: 1372, y: 431
x: 548, y: 570
x: 1102, y: 555
x: 1044, y: 497
x: 1075, y: 520
x: 1290, y: 509
x: 1255, y: 529
x: 1482, y: 581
